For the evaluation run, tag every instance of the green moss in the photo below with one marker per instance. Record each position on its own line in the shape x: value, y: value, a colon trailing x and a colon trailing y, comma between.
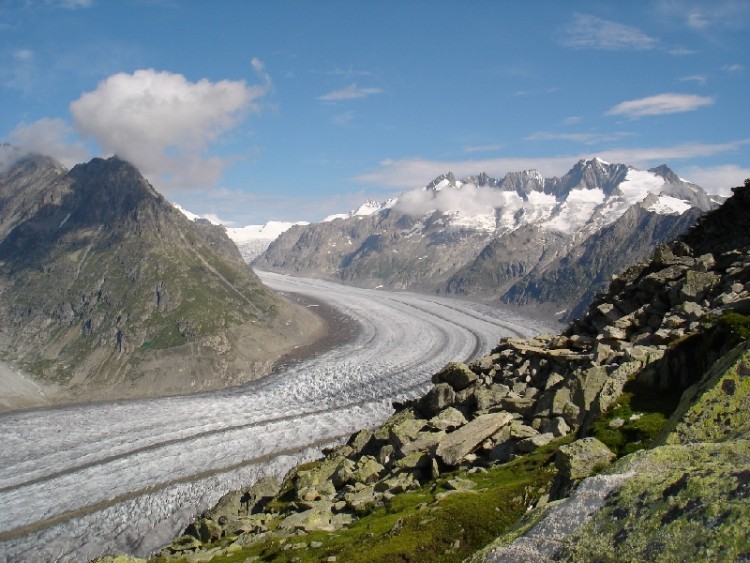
x: 736, y: 324
x: 643, y: 411
x: 416, y: 526
x: 684, y: 503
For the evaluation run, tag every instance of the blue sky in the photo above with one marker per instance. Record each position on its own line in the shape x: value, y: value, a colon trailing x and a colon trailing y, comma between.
x: 290, y: 110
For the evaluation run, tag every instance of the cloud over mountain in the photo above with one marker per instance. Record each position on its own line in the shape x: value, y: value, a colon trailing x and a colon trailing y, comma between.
x: 162, y: 122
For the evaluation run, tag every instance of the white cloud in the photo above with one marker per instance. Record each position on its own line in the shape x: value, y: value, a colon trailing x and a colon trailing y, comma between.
x: 351, y: 92
x: 483, y: 148
x: 718, y: 179
x: 572, y: 120
x: 409, y: 173
x: 343, y: 118
x: 699, y: 78
x: 163, y: 123
x: 585, y: 138
x: 591, y: 32
x: 52, y: 137
x: 469, y: 200
x: 660, y: 104
x: 733, y: 68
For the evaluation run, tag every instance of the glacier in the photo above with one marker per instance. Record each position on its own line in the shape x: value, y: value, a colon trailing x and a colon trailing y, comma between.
x: 83, y: 481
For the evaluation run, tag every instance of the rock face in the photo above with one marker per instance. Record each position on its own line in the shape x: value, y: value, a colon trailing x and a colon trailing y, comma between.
x: 108, y: 291
x: 533, y: 242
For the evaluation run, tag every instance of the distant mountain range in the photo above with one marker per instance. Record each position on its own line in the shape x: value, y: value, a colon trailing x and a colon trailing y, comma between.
x: 107, y: 291
x: 548, y: 244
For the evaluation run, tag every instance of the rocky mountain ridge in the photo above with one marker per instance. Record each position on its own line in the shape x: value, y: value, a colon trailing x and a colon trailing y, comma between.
x: 108, y: 291
x: 511, y: 239
x: 654, y: 373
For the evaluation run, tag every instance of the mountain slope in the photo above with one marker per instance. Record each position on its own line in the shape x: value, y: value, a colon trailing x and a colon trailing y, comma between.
x: 109, y: 291
x: 511, y: 239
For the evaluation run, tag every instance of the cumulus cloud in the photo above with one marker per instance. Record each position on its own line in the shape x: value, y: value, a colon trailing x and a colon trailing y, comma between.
x: 52, y: 137
x: 718, y: 179
x: 660, y: 104
x: 591, y: 32
x: 163, y: 123
x: 351, y: 92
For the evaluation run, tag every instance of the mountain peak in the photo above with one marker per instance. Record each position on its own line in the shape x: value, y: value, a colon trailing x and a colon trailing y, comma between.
x: 665, y: 172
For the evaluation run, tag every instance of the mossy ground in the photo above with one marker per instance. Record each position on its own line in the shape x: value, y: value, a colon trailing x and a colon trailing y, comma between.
x: 684, y: 503
x: 643, y: 411
x: 416, y: 526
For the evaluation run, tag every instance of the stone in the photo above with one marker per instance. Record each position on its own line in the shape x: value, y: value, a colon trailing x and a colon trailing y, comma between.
x: 424, y: 442
x: 530, y: 444
x: 415, y: 460
x: 582, y: 458
x: 358, y: 441
x: 399, y: 483
x: 696, y: 284
x: 485, y: 364
x: 361, y: 499
x: 457, y: 375
x: 315, y: 482
x: 404, y: 431
x: 385, y: 455
x: 368, y: 470
x: 448, y: 419
x: 492, y: 395
x: 437, y: 399
x: 516, y: 404
x: 318, y: 518
x: 456, y: 445
x: 205, y: 529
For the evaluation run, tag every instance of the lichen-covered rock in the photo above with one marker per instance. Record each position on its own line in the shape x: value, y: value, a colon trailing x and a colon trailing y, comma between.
x: 437, y: 399
x: 448, y: 419
x: 577, y: 461
x: 457, y: 375
x: 717, y: 409
x: 466, y: 439
x: 318, y: 518
x: 682, y: 503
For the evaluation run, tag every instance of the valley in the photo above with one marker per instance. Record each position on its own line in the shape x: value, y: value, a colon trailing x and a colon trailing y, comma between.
x: 126, y: 477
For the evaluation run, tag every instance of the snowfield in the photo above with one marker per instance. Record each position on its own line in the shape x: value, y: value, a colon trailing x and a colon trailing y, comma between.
x: 126, y: 477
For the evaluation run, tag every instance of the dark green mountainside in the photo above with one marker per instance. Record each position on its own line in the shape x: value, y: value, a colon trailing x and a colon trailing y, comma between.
x: 106, y: 290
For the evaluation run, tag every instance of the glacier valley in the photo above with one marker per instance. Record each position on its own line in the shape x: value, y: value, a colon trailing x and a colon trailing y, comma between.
x: 83, y: 481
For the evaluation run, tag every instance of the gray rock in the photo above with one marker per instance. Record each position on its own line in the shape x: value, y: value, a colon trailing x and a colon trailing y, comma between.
x: 579, y: 460
x: 437, y: 399
x: 488, y: 397
x: 466, y: 439
x: 448, y: 419
x: 457, y: 375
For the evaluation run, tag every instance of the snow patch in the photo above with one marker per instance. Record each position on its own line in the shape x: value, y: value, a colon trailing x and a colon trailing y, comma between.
x: 638, y: 184
x: 668, y: 205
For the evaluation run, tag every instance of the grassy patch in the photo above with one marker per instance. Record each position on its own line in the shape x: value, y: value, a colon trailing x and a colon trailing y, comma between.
x: 416, y: 526
x: 636, y: 418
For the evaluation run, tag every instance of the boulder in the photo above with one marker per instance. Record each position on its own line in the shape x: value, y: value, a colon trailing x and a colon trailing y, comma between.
x: 457, y: 375
x: 437, y: 399
x: 452, y: 449
x: 368, y: 470
x: 318, y: 518
x: 579, y: 460
x: 448, y: 419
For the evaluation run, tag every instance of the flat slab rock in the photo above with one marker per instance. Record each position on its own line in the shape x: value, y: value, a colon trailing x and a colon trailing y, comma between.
x: 456, y: 445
